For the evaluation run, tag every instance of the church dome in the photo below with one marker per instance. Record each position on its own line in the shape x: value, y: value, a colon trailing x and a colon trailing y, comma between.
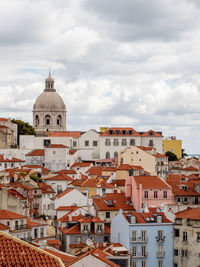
x: 49, y: 101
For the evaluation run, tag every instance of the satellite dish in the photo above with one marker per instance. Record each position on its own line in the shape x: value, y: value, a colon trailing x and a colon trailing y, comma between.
x: 89, y: 242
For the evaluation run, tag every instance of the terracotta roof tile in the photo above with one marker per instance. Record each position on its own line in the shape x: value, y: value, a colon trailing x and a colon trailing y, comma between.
x: 60, y: 177
x: 36, y: 152
x: 191, y: 168
x: 15, y: 252
x: 76, y: 134
x: 56, y: 146
x: 67, y: 171
x: 3, y: 119
x: 190, y: 213
x: 3, y: 227
x: 81, y: 164
x: 119, y: 132
x: 151, y: 182
x: 5, y: 159
x: 9, y: 215
x: 152, y: 133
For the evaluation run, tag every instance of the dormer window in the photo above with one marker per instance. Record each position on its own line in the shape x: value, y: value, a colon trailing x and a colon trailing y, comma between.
x: 110, y: 131
x: 133, y: 219
x: 123, y: 132
x: 130, y: 132
x: 151, y: 133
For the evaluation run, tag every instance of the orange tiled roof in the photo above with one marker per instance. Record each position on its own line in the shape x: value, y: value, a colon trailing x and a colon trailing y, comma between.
x: 90, y: 183
x: 15, y: 193
x: 192, y: 214
x: 177, y: 189
x: 3, y: 227
x: 158, y: 155
x: 81, y: 164
x: 31, y: 224
x: 9, y: 215
x: 95, y: 170
x: 67, y: 171
x: 65, y: 218
x: 36, y: 152
x: 76, y: 230
x: 60, y: 177
x: 15, y: 252
x: 75, y: 134
x: 119, y: 201
x: 78, y: 182
x: 151, y: 182
x: 142, y: 217
x: 3, y: 119
x: 191, y: 168
x: 56, y: 146
x: 152, y: 133
x: 5, y: 159
x: 72, y: 151
x: 119, y: 182
x: 65, y: 258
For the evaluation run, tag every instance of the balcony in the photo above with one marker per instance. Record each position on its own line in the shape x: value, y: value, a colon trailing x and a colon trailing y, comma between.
x: 38, y: 195
x: 20, y: 227
x: 160, y: 254
x: 99, y: 231
x: 85, y: 231
x: 140, y: 255
x: 140, y: 240
x: 160, y: 239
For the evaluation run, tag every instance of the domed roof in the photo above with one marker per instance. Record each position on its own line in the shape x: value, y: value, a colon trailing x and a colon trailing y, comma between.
x: 49, y: 101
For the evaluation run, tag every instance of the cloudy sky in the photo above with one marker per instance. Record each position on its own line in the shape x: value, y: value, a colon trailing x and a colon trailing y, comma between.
x: 115, y: 63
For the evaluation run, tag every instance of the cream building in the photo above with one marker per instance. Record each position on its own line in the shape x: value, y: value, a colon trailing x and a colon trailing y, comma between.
x: 49, y: 110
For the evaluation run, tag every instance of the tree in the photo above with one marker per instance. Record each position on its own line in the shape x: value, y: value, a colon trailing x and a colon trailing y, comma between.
x: 24, y: 128
x: 184, y: 154
x: 171, y: 156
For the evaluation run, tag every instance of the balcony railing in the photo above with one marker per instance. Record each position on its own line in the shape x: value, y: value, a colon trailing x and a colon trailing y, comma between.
x: 140, y: 240
x: 160, y: 254
x: 140, y: 255
x: 99, y: 231
x: 20, y: 227
x: 35, y: 205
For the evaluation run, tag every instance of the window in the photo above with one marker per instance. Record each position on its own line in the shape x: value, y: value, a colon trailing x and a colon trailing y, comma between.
x: 176, y: 232
x: 184, y: 236
x: 155, y: 194
x: 54, y: 152
x: 74, y: 143
x: 35, y: 233
x: 134, y: 263
x: 124, y: 142
x: 134, y: 235
x: 160, y: 235
x: 134, y: 251
x: 85, y: 227
x: 123, y: 132
x: 185, y: 200
x: 143, y: 251
x: 160, y: 264
x: 47, y: 142
x: 176, y: 252
x: 184, y: 253
x: 78, y: 239
x: 86, y: 142
x: 107, y: 142
x: 115, y: 155
x: 116, y: 142
x: 49, y: 207
x: 150, y: 142
x: 8, y: 223
x: 117, y: 132
x: 198, y: 236
x: 41, y: 232
x: 143, y: 235
x: 144, y: 264
x: 94, y: 143
x: 107, y: 155
x: 107, y: 214
x: 103, y: 190
x: 110, y: 131
x: 164, y: 194
x: 146, y: 194
x: 132, y: 142
x: 99, y: 227
x: 178, y: 199
x: 130, y: 132
x: 12, y: 164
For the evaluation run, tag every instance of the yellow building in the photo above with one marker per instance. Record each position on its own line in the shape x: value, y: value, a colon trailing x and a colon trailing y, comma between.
x: 174, y: 146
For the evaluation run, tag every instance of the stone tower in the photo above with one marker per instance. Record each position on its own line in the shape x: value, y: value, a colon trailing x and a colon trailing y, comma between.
x: 49, y: 110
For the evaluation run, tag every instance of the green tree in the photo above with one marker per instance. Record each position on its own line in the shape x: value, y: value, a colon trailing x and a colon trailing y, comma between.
x: 171, y: 156
x: 24, y: 128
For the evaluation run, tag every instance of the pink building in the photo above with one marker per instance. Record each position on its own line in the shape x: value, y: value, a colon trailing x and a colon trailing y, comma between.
x: 148, y: 191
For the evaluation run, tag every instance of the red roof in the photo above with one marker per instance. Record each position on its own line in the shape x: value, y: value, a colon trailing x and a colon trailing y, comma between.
x: 81, y: 164
x: 94, y: 170
x: 67, y: 171
x: 76, y: 230
x: 65, y: 258
x: 56, y: 146
x: 3, y: 158
x: 151, y: 182
x: 31, y: 224
x: 75, y: 134
x: 36, y: 152
x: 184, y: 188
x: 3, y: 119
x: 190, y: 213
x: 120, y: 131
x: 191, y: 168
x: 15, y: 252
x: 142, y: 217
x: 72, y: 151
x: 113, y: 201
x: 152, y: 133
x: 3, y: 227
x: 60, y: 177
x: 9, y: 215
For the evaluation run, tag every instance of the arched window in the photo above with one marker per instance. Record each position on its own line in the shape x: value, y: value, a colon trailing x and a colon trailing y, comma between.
x: 59, y: 120
x: 47, y: 120
x: 116, y: 155
x: 107, y: 155
x: 37, y: 121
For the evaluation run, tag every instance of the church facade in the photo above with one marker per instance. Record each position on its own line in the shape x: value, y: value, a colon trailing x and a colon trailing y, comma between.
x: 49, y: 110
